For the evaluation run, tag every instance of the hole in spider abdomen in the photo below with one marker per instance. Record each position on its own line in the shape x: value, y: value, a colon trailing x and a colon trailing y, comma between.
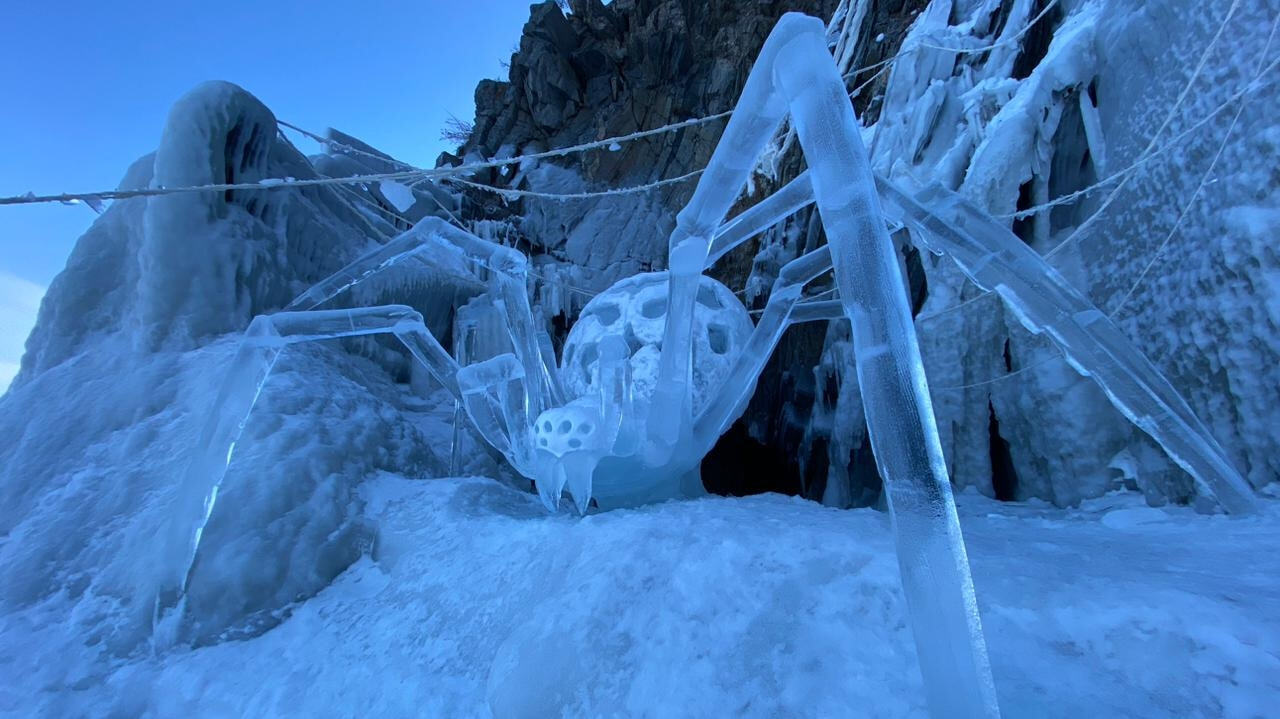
x: 718, y: 337
x: 588, y: 357
x: 633, y: 342
x: 565, y: 426
x: 543, y: 441
x: 654, y: 308
x: 607, y: 314
x: 546, y: 426
x: 584, y: 428
x: 575, y: 443
x: 707, y: 297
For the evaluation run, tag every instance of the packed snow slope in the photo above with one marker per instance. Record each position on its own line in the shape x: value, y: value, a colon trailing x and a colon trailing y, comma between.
x: 475, y: 602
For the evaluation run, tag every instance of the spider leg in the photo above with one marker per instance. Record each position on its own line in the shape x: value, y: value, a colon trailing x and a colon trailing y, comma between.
x: 445, y: 246
x: 761, y: 216
x: 901, y: 425
x: 759, y: 112
x: 794, y: 72
x: 817, y: 311
x: 261, y: 346
x: 493, y: 392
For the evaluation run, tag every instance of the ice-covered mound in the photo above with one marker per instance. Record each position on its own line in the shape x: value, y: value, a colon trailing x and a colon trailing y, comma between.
x: 121, y: 365
x: 475, y: 602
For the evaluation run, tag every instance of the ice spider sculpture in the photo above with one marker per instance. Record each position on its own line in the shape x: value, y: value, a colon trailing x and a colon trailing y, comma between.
x: 619, y: 420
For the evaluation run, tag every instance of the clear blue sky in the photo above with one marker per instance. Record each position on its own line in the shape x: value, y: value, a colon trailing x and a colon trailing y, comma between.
x: 87, y: 85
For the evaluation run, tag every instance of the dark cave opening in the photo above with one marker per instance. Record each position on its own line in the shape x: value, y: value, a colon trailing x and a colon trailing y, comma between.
x: 1004, y: 478
x: 1022, y: 226
x: 739, y: 465
x: 1072, y: 166
x: 230, y: 156
x: 865, y: 483
x: 1036, y: 43
x: 917, y: 280
x: 816, y: 465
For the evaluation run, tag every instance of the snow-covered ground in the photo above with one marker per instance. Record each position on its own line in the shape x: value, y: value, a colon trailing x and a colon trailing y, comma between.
x: 475, y: 602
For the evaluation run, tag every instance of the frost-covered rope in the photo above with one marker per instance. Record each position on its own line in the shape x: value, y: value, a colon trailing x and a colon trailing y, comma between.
x: 505, y: 192
x: 1155, y: 257
x: 1263, y: 78
x: 857, y: 90
x: 513, y: 193
x: 267, y: 184
x: 1001, y: 378
x: 410, y: 174
x: 1257, y: 83
x: 328, y: 141
x: 1148, y: 150
x: 451, y: 216
x: 956, y: 307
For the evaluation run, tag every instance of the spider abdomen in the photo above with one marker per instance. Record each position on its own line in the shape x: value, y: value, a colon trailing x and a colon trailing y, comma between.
x: 635, y: 309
